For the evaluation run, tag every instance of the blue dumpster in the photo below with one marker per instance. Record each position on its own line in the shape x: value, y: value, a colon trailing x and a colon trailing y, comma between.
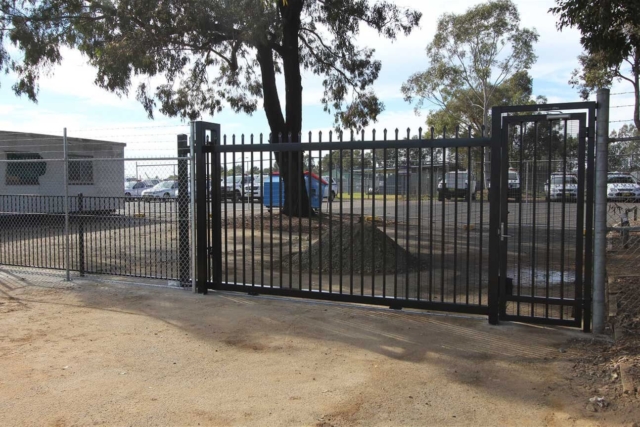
x: 273, y: 190
x: 315, y: 188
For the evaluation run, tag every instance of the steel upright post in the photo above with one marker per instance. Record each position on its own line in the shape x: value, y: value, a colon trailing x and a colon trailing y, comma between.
x: 192, y: 180
x: 67, y: 245
x: 600, y: 219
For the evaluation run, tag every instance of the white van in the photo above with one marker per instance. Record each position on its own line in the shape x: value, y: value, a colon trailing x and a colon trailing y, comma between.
x: 464, y: 186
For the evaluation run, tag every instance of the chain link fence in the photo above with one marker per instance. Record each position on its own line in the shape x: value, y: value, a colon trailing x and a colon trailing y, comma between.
x: 102, y: 205
x: 623, y: 236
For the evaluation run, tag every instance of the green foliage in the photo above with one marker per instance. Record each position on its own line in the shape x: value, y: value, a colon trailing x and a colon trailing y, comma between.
x: 625, y: 153
x: 476, y: 60
x: 610, y: 36
x: 608, y: 28
x: 211, y: 54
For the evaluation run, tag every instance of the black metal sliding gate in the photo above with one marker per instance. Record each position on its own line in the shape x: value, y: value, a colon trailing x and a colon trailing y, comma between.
x: 454, y: 223
x: 380, y: 234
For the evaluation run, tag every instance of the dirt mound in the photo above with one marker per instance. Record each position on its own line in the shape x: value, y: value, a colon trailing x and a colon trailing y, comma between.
x: 373, y: 252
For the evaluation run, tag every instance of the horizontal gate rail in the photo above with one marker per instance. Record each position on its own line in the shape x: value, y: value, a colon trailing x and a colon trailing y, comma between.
x: 346, y: 145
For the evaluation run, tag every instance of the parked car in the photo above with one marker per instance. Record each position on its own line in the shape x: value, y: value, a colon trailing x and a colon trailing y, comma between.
x: 135, y: 188
x: 622, y: 187
x: 234, y: 187
x: 151, y: 182
x: 165, y: 190
x: 561, y: 187
x: 514, y: 191
x: 331, y: 191
x: 452, y: 188
x: 252, y: 190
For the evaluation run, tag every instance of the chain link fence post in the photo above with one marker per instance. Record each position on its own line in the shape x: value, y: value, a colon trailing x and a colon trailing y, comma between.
x: 600, y: 220
x: 67, y: 246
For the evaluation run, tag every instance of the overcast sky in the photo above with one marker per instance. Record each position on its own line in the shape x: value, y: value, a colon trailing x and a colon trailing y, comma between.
x: 69, y: 99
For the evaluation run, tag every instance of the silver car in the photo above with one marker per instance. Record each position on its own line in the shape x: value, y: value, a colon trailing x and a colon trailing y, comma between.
x: 164, y: 190
x: 561, y: 187
x: 135, y: 188
x: 622, y: 187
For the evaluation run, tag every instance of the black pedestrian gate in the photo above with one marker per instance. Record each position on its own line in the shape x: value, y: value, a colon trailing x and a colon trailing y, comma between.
x: 546, y: 234
x: 496, y: 226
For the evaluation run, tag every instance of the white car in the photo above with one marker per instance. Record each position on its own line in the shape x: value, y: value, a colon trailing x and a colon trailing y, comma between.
x: 165, y: 190
x: 252, y: 189
x: 622, y: 187
x: 560, y: 187
x: 135, y: 188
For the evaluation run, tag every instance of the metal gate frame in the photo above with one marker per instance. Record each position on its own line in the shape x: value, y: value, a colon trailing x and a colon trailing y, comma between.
x: 586, y: 115
x: 206, y: 137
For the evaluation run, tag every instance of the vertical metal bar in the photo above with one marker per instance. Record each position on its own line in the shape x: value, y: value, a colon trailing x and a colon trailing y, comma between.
x: 533, y: 218
x: 291, y: 233
x: 408, y: 219
x: 494, y: 213
x: 580, y: 232
x: 321, y: 191
x: 373, y: 218
x: 562, y: 219
x: 455, y: 223
x: 67, y: 246
x: 362, y: 192
x: 309, y: 187
x: 262, y: 202
x: 81, y: 257
x: 330, y: 198
x: 243, y: 197
x: 519, y: 279
x: 201, y: 220
x: 224, y: 195
x: 384, y: 217
x: 589, y: 271
x: 418, y: 278
x: 351, y: 245
x: 293, y: 175
x: 432, y: 190
x: 216, y: 210
x: 395, y: 220
x: 192, y: 200
x: 341, y: 211
x: 470, y: 196
x: 272, y: 208
x: 234, y: 196
x: 442, y: 219
x: 252, y: 184
x: 548, y: 257
x: 298, y: 174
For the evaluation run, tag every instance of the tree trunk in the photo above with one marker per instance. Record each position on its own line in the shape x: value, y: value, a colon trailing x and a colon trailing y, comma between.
x: 291, y: 164
x: 286, y: 130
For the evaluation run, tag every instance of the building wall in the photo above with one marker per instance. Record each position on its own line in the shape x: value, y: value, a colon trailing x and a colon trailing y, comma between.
x: 108, y: 175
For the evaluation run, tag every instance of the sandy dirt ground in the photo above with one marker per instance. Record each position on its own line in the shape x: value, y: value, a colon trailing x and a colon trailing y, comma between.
x: 94, y: 352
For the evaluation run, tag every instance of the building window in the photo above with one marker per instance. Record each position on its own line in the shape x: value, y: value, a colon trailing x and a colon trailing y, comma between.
x: 23, y: 172
x: 80, y: 171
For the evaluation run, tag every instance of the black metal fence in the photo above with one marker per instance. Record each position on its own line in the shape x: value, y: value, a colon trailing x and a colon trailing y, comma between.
x: 120, y: 236
x: 388, y: 246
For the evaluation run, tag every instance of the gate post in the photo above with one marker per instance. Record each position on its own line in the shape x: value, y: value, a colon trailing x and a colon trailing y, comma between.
x: 207, y: 257
x: 600, y: 225
x: 494, y: 216
x: 184, y: 258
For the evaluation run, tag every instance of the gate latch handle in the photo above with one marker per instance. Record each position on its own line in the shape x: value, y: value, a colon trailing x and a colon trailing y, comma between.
x: 502, y: 235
